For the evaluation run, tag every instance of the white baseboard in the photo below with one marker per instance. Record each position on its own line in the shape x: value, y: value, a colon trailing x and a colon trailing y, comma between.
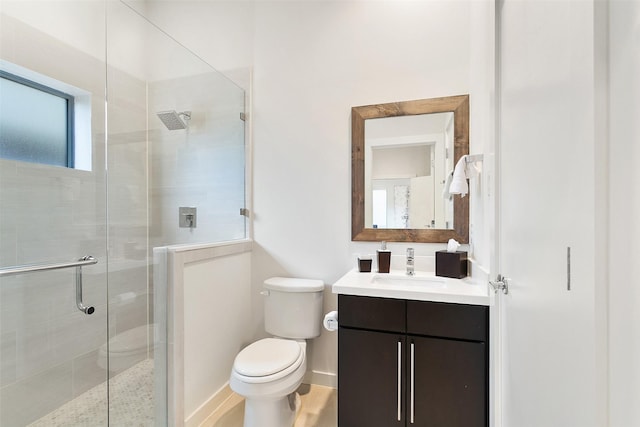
x: 326, y: 379
x: 208, y: 407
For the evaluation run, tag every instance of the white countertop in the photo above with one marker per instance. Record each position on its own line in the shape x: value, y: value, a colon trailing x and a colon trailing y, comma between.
x: 424, y: 286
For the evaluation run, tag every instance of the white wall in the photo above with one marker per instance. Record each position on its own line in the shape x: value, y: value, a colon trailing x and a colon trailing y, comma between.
x: 220, y: 32
x: 482, y: 130
x: 311, y: 62
x: 624, y: 211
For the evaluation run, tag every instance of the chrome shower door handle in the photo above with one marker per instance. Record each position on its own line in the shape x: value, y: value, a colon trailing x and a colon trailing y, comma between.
x: 79, y: 304
x: 85, y: 260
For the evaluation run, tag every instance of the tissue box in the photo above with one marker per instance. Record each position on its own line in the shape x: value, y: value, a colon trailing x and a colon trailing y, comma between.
x: 451, y: 264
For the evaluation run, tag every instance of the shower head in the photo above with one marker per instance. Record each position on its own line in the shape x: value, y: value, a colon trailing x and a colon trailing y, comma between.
x: 173, y: 121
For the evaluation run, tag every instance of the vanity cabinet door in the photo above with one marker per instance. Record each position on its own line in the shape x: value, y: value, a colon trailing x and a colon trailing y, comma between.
x: 371, y: 382
x: 449, y: 383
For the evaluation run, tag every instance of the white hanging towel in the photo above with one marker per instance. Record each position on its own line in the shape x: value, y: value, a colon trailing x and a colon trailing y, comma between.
x: 464, y: 170
x: 459, y: 181
x: 445, y: 191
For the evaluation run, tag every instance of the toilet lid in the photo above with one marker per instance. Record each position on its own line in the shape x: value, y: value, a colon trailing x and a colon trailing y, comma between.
x: 266, y: 357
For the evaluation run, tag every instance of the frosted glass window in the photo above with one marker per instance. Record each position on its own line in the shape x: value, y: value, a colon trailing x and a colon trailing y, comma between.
x: 36, y: 122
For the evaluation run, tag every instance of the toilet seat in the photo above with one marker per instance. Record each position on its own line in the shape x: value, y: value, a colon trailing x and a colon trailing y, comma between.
x: 267, y: 360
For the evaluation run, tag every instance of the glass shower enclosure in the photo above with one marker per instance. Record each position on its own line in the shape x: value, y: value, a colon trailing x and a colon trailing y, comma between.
x: 150, y: 152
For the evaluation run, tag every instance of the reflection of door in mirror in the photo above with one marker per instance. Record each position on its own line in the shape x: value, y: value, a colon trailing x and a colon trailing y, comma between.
x: 407, y: 159
x: 421, y: 203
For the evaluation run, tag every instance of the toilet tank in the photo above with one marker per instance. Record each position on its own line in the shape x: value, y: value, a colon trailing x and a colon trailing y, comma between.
x: 293, y: 307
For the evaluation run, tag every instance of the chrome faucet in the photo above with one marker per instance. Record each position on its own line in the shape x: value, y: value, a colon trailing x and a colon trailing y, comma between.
x: 410, y: 269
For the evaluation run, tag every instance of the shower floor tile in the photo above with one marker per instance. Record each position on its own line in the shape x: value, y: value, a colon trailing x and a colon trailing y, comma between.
x: 131, y: 402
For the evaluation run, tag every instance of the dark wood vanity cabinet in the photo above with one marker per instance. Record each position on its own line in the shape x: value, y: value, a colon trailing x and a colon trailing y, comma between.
x: 413, y: 363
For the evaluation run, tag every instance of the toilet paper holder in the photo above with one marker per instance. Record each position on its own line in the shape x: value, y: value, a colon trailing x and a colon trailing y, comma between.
x: 330, y: 321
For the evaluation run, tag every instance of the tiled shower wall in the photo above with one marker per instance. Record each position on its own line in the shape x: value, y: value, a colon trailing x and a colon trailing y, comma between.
x: 202, y: 166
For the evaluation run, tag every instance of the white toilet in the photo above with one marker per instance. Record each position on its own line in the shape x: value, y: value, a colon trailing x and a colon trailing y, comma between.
x: 268, y: 372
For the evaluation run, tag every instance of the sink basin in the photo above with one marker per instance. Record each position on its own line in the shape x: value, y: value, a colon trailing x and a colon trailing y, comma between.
x: 401, y: 280
x: 424, y: 286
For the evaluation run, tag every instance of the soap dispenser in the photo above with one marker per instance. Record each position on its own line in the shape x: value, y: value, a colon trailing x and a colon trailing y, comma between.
x: 384, y: 258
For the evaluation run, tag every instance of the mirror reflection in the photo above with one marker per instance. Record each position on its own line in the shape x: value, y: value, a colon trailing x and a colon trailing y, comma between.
x: 406, y: 162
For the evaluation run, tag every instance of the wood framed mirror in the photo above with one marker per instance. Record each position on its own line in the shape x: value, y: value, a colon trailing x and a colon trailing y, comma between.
x: 399, y: 168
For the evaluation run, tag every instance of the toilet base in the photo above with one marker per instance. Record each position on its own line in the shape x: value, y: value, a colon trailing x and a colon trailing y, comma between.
x: 267, y: 412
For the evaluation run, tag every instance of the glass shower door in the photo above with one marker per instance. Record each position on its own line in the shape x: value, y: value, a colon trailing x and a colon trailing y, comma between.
x: 96, y: 355
x: 53, y: 355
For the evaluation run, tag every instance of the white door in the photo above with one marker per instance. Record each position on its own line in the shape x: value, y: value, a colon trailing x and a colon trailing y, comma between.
x: 549, y: 366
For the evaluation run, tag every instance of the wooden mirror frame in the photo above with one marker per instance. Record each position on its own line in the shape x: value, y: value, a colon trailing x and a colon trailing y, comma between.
x: 459, y: 105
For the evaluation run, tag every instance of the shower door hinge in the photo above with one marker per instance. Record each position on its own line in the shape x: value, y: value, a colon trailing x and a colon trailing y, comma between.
x: 501, y: 284
x: 243, y: 116
x: 244, y: 212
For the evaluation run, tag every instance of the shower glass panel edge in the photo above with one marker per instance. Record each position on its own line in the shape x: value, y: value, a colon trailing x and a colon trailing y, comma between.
x: 136, y: 351
x: 196, y: 159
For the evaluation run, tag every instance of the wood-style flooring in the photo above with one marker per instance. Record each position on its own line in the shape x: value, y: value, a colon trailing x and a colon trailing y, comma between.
x: 319, y: 408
